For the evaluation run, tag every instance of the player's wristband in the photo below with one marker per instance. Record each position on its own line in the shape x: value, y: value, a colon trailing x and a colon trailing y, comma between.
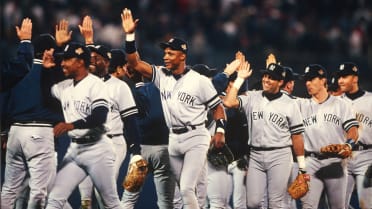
x: 130, y: 37
x: 351, y: 143
x: 238, y: 83
x: 301, y: 163
x: 220, y: 125
x: 130, y: 43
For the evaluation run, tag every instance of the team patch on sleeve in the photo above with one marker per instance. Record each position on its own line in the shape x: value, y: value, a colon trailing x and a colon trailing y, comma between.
x: 350, y: 123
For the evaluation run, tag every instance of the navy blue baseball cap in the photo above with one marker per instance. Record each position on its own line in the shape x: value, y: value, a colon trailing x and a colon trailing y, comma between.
x: 347, y: 68
x: 44, y: 42
x: 276, y: 71
x: 76, y: 50
x: 314, y: 70
x: 101, y: 50
x: 333, y: 82
x: 290, y: 75
x: 175, y: 44
x: 204, y: 70
x: 117, y: 58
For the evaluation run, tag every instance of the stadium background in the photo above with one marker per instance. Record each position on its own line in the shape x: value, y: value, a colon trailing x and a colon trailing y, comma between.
x: 298, y: 32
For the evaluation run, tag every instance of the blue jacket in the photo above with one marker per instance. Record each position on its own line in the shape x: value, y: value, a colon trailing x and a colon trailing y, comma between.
x: 15, y: 69
x: 153, y: 128
x: 27, y: 101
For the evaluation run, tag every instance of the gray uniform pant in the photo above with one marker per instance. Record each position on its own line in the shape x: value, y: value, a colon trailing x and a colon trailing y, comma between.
x: 328, y: 175
x: 188, y: 153
x: 272, y: 169
x: 96, y: 160
x: 29, y: 147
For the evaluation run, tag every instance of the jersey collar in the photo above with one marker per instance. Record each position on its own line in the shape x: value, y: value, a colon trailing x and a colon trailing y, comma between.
x: 169, y: 73
x: 355, y: 95
x: 270, y: 96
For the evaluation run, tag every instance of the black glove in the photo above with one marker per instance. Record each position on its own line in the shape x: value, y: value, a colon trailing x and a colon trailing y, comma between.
x: 242, y: 164
x: 220, y: 157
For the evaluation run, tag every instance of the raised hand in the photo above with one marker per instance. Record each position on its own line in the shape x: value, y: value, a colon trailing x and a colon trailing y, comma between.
x: 129, y: 25
x: 86, y: 30
x: 232, y: 67
x: 62, y: 34
x: 25, y: 31
x: 245, y: 70
x: 48, y: 59
x: 270, y: 59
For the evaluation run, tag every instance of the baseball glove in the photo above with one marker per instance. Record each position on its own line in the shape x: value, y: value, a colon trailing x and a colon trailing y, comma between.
x: 299, y: 187
x: 135, y: 178
x: 336, y: 150
x: 220, y: 156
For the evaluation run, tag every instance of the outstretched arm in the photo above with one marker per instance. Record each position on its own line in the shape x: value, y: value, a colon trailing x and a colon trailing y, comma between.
x: 133, y: 58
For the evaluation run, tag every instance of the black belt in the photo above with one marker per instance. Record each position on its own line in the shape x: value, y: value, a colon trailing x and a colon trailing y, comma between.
x: 182, y: 130
x: 266, y: 148
x: 113, y: 135
x: 85, y: 139
x: 317, y: 155
x: 33, y: 123
x: 360, y: 146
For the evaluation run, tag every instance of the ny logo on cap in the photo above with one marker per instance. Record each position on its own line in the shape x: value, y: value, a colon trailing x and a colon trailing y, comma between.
x: 342, y: 67
x: 171, y: 40
x: 79, y: 51
x: 307, y: 69
x: 272, y: 67
x: 66, y: 48
x: 183, y: 46
x: 109, y: 55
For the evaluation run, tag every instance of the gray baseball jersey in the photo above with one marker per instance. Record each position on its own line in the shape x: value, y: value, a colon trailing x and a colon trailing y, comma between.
x: 185, y: 104
x: 326, y: 122
x: 121, y: 104
x: 274, y: 121
x: 362, y: 155
x: 79, y: 99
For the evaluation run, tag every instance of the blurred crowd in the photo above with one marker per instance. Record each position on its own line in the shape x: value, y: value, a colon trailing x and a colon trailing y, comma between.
x: 298, y: 32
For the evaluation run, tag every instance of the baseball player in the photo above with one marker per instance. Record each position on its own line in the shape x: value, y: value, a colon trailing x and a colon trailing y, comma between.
x: 123, y: 110
x: 326, y: 119
x: 154, y: 146
x: 186, y: 97
x: 84, y: 102
x: 30, y: 149
x: 361, y: 101
x: 14, y: 70
x: 274, y: 125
